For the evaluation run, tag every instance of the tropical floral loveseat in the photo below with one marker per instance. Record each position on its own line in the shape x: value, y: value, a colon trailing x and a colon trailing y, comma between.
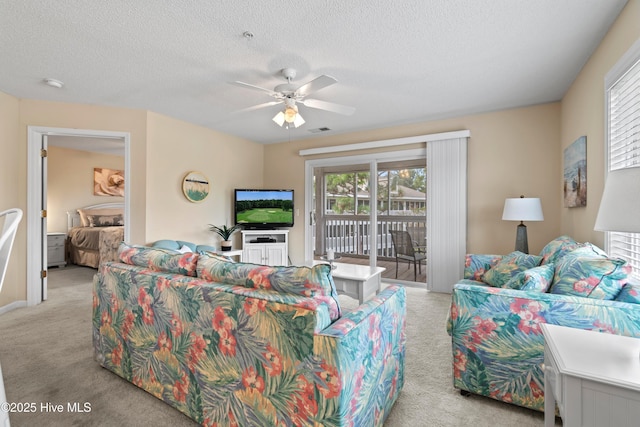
x: 497, y: 309
x: 233, y: 344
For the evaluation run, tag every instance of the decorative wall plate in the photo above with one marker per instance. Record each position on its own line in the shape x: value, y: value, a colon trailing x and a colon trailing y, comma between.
x: 195, y: 186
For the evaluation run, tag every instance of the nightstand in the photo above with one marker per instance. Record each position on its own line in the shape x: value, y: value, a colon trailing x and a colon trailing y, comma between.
x: 55, y: 249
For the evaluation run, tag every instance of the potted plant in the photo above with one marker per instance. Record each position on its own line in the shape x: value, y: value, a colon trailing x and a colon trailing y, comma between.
x: 224, y: 232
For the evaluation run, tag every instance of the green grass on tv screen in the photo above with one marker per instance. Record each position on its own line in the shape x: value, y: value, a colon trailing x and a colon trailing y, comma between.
x: 260, y: 215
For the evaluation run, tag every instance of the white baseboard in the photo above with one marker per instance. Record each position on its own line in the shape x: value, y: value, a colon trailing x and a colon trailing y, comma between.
x: 12, y: 306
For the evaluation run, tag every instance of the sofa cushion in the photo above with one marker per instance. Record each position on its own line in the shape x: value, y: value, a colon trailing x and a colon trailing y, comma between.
x: 508, y: 267
x: 630, y: 293
x: 585, y: 272
x: 159, y: 259
x: 179, y: 245
x: 557, y: 248
x: 313, y: 282
x: 533, y: 279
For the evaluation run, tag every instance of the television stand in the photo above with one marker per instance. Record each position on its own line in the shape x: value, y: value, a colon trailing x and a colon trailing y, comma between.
x: 267, y: 247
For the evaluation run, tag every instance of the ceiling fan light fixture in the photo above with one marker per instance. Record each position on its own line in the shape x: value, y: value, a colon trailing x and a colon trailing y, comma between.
x: 290, y: 115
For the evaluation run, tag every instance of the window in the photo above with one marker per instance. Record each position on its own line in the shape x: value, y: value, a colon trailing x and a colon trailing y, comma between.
x: 623, y: 141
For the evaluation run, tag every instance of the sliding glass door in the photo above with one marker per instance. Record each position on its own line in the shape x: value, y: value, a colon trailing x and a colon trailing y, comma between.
x: 379, y: 221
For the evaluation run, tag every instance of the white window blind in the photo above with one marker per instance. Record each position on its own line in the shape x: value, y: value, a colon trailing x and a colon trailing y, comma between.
x: 623, y: 113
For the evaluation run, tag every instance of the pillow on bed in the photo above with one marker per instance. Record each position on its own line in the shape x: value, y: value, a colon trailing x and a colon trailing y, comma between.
x: 105, y: 220
x: 84, y: 212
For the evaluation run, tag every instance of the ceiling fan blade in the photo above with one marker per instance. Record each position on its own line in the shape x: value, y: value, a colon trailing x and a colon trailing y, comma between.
x: 250, y: 86
x: 315, y: 85
x: 257, y: 107
x: 328, y: 106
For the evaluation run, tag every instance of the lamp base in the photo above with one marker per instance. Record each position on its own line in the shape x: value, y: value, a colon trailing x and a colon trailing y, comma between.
x: 522, y: 244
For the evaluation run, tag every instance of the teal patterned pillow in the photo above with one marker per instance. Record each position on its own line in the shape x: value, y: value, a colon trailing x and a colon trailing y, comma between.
x: 476, y: 265
x: 508, y: 267
x: 583, y: 273
x: 630, y: 293
x: 534, y: 279
x: 557, y: 248
x: 313, y: 282
x: 158, y: 259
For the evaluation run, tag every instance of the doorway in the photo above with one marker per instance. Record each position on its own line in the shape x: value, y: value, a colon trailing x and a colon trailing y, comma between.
x: 37, y: 141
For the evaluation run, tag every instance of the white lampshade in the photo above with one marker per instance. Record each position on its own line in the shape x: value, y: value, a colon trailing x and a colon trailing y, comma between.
x: 279, y: 118
x: 620, y: 205
x: 522, y: 209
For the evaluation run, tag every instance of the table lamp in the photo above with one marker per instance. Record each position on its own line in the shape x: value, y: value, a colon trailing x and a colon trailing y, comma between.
x: 522, y: 209
x: 620, y: 205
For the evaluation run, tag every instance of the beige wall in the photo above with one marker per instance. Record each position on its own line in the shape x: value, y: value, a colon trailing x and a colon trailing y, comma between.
x: 80, y: 116
x: 12, y: 195
x: 161, y: 151
x: 176, y: 148
x: 510, y: 153
x: 583, y: 113
x: 70, y: 182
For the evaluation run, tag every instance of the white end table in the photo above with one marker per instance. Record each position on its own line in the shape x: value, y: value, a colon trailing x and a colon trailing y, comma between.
x: 357, y: 281
x: 593, y: 376
x: 235, y: 252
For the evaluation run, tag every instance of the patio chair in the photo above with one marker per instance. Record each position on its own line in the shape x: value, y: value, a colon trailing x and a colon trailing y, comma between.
x: 11, y: 218
x: 405, y: 249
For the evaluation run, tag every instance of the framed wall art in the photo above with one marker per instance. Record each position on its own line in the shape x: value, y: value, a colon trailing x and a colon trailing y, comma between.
x: 195, y: 186
x: 108, y: 182
x: 575, y: 174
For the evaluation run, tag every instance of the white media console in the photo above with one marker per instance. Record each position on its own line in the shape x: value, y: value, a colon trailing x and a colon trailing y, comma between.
x: 269, y: 247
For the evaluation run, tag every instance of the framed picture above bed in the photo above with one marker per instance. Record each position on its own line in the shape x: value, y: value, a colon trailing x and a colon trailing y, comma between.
x: 108, y: 182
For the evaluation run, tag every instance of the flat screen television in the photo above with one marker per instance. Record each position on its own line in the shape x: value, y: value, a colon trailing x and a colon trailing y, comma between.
x: 263, y: 209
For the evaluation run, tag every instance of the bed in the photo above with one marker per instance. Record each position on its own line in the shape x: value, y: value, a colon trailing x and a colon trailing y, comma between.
x: 94, y: 234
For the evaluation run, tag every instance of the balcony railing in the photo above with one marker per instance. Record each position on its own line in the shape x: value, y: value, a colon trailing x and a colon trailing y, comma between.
x: 349, y: 234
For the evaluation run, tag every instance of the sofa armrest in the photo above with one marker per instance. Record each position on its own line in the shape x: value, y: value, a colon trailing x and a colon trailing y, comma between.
x: 477, y: 264
x: 497, y: 341
x: 365, y: 349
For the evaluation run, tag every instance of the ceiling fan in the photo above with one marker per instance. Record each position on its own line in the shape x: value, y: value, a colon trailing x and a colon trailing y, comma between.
x: 290, y: 95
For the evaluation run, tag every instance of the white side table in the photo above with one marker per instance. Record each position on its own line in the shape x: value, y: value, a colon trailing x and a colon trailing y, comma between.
x: 356, y: 281
x: 593, y: 376
x: 236, y: 252
x: 55, y: 249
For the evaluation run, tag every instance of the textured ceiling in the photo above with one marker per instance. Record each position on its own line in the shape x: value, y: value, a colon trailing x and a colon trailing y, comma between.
x: 396, y: 61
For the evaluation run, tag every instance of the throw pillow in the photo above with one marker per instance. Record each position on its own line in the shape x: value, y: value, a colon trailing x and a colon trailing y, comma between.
x: 105, y: 220
x: 159, y: 259
x: 508, y: 267
x: 630, y: 293
x: 534, y: 279
x: 184, y: 249
x: 84, y: 212
x: 557, y: 248
x: 587, y: 274
x: 313, y: 282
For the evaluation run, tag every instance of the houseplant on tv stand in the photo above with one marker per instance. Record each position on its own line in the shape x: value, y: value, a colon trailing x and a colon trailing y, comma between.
x: 225, y: 233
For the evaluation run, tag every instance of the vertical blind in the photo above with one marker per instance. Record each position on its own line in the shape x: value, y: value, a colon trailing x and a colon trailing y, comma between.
x: 624, y: 151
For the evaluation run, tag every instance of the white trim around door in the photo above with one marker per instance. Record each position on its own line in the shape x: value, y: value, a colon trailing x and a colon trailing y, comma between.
x: 35, y: 234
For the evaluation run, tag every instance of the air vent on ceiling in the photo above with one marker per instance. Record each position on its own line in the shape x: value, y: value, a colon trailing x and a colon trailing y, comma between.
x: 318, y: 130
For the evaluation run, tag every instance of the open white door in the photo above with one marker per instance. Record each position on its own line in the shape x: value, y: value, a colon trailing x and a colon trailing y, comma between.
x: 43, y: 216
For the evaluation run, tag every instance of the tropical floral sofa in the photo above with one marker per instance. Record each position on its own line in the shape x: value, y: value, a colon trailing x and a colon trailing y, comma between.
x: 233, y: 344
x: 497, y: 309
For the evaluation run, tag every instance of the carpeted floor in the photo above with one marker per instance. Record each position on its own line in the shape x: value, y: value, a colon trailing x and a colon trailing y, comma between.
x: 47, y: 360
